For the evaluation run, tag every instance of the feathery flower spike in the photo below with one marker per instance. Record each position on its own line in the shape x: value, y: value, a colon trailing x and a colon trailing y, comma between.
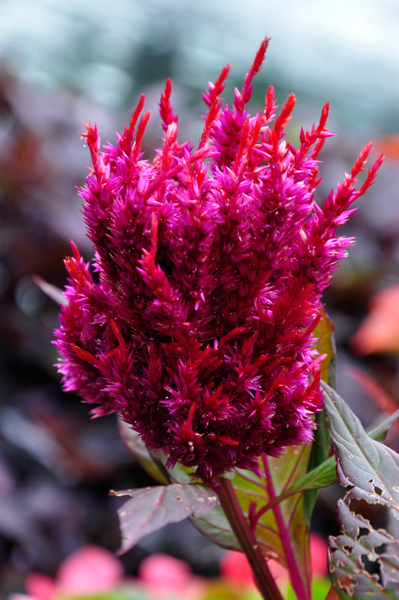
x: 211, y: 267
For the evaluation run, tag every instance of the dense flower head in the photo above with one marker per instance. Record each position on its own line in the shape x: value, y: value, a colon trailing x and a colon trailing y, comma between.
x: 210, y: 265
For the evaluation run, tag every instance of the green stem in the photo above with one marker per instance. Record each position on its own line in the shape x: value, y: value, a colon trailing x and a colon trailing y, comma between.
x: 249, y: 545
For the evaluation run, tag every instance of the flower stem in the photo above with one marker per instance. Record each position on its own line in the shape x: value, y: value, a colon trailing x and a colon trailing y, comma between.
x: 249, y: 545
x: 295, y: 575
x: 332, y: 594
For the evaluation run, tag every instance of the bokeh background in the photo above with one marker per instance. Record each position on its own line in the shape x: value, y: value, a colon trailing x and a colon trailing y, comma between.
x: 63, y: 63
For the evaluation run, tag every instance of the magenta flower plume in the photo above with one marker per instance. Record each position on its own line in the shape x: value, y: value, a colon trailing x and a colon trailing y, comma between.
x: 211, y: 263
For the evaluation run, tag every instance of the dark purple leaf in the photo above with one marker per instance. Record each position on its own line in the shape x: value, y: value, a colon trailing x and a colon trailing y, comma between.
x: 372, y: 470
x: 348, y: 551
x: 132, y: 442
x: 150, y: 509
x: 326, y: 474
x: 50, y: 290
x: 214, y: 525
x: 361, y: 461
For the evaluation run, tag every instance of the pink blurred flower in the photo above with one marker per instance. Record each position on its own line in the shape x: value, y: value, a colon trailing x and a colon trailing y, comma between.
x: 318, y: 555
x: 40, y: 586
x: 164, y: 577
x: 234, y: 568
x: 89, y: 570
x: 93, y: 570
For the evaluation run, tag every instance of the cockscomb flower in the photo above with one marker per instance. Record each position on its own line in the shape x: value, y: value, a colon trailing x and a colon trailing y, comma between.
x: 210, y: 265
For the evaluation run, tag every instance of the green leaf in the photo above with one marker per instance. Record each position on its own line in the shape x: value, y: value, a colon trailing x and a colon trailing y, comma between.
x: 320, y: 588
x: 150, y: 509
x: 216, y: 528
x: 280, y: 530
x: 325, y: 344
x: 372, y: 470
x: 320, y: 477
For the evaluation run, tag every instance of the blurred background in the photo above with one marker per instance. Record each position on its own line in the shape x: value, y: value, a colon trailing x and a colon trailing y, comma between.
x: 63, y: 63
